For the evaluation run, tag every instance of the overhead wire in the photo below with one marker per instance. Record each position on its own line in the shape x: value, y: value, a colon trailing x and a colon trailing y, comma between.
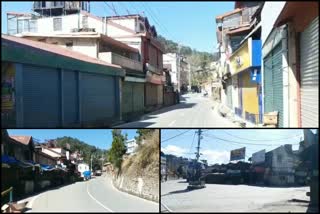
x: 262, y: 139
x: 175, y: 136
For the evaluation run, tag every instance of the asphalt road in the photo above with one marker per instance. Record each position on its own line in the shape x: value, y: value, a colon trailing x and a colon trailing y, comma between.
x: 95, y: 195
x: 231, y: 198
x: 194, y: 110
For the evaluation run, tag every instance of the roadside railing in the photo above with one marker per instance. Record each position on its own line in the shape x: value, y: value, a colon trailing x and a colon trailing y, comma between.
x: 10, y: 191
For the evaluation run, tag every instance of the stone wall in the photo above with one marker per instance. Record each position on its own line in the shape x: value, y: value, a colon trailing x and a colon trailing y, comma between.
x: 144, y: 187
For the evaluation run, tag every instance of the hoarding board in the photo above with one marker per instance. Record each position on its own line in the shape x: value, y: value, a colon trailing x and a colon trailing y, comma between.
x: 258, y: 157
x: 237, y: 154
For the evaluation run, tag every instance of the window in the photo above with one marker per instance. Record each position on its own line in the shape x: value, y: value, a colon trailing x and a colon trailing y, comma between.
x: 279, y: 158
x: 33, y: 25
x: 57, y: 24
x: 84, y: 21
x: 43, y: 4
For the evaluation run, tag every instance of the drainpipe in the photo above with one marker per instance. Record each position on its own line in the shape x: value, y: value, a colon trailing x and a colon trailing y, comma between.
x: 285, y: 70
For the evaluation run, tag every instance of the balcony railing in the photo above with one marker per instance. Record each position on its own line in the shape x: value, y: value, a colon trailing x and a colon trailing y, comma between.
x: 125, y: 62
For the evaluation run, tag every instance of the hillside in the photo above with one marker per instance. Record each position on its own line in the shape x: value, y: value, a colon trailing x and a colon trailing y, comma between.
x: 140, y: 172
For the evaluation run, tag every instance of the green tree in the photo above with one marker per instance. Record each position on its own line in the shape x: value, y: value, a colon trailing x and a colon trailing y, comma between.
x: 118, y: 149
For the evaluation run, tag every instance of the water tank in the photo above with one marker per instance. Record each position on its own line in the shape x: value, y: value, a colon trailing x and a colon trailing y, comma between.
x: 59, y: 8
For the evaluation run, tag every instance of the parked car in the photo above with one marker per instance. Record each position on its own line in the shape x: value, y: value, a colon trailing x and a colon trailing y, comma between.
x: 98, y: 172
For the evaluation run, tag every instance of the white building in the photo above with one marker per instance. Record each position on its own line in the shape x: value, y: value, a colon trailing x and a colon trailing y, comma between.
x: 131, y: 146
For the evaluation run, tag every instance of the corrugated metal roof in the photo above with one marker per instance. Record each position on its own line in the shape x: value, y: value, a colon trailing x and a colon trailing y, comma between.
x: 21, y: 139
x: 57, y: 50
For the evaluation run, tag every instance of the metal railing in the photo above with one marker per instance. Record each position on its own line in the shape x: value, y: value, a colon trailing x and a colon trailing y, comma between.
x: 10, y: 191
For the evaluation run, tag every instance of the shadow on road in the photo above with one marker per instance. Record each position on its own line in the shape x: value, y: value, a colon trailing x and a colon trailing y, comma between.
x: 182, y: 182
x: 179, y: 191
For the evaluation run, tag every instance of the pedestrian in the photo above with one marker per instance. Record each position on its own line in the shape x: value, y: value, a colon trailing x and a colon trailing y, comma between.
x: 177, y: 96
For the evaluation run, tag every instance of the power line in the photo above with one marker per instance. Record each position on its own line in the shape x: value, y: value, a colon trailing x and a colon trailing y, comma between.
x: 112, y: 8
x: 261, y: 139
x: 260, y: 144
x: 175, y: 136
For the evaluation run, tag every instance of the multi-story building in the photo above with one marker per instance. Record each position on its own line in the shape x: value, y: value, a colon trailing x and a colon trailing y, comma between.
x: 233, y: 27
x: 70, y: 25
x: 135, y: 31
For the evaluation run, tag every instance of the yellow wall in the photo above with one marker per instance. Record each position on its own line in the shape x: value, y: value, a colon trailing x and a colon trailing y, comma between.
x: 243, y: 53
x: 249, y: 94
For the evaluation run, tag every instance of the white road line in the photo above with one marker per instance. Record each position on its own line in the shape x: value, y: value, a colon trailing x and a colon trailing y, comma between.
x: 98, y: 202
x: 170, y: 124
x: 165, y: 206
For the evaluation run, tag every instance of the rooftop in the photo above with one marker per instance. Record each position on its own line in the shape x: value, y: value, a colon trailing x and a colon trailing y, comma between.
x: 21, y: 139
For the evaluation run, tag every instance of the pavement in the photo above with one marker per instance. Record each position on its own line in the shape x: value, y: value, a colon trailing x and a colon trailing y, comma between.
x: 232, y: 198
x: 194, y: 110
x: 95, y: 195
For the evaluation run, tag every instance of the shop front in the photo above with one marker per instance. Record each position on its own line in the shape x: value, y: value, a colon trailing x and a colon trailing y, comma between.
x: 245, y: 64
x: 154, y: 91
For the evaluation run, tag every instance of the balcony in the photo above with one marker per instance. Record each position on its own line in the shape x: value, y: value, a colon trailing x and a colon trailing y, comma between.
x: 124, y: 62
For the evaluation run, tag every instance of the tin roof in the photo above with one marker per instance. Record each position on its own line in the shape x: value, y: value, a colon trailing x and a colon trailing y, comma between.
x: 21, y: 139
x: 57, y: 50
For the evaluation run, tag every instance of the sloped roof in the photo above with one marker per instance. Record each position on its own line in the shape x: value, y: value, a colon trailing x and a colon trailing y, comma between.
x: 21, y: 139
x: 57, y: 50
x: 228, y: 14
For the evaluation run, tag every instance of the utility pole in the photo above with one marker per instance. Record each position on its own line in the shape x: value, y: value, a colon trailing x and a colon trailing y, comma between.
x: 91, y: 163
x: 178, y: 67
x: 198, y: 147
x: 190, y: 75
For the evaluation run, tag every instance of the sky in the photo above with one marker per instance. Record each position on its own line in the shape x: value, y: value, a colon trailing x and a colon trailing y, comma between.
x: 101, y: 138
x: 216, y: 150
x: 190, y: 23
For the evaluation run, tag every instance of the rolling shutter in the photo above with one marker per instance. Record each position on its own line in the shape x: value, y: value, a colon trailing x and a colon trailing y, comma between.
x: 309, y: 62
x: 41, y: 95
x: 70, y: 97
x: 98, y: 97
x: 273, y: 83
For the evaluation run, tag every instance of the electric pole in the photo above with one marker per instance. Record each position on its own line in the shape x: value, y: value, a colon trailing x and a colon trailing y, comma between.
x: 178, y: 67
x: 198, y: 147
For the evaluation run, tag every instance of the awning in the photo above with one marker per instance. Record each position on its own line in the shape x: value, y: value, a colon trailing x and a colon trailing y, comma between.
x: 300, y: 13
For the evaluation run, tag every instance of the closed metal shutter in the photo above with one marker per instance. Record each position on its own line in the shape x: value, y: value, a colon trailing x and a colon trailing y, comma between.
x: 138, y: 104
x: 151, y: 94
x: 273, y: 83
x: 132, y: 98
x: 98, y: 100
x: 41, y: 95
x: 309, y: 44
x: 127, y: 98
x: 229, y: 93
x: 70, y: 97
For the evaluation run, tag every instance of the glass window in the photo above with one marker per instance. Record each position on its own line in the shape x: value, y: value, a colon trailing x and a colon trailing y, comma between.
x: 57, y: 24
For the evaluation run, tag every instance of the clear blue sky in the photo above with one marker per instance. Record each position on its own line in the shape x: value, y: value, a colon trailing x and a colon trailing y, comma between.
x: 101, y: 138
x: 217, y: 151
x: 191, y: 23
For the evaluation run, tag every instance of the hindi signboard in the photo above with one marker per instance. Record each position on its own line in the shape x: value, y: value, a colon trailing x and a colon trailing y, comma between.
x: 238, y: 154
x: 258, y: 157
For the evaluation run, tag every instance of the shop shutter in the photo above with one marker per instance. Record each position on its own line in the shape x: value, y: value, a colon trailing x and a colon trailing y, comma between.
x: 138, y: 97
x: 273, y: 83
x: 97, y: 97
x: 70, y: 97
x: 41, y: 97
x: 127, y: 98
x: 309, y: 62
x: 229, y: 93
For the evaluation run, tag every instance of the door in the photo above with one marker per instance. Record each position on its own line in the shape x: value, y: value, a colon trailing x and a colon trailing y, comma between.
x: 309, y: 87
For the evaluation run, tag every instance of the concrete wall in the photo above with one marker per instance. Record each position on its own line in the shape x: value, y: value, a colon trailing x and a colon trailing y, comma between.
x: 113, y: 30
x: 143, y: 187
x: 282, y: 163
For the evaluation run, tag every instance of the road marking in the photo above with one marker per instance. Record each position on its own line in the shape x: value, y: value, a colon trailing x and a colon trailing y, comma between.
x: 170, y: 124
x: 134, y: 196
x: 98, y: 202
x: 165, y: 206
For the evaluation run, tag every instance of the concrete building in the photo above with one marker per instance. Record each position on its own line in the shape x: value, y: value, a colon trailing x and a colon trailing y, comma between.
x: 280, y: 165
x: 85, y: 33
x: 50, y: 86
x: 289, y: 38
x: 233, y: 27
x: 135, y: 31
